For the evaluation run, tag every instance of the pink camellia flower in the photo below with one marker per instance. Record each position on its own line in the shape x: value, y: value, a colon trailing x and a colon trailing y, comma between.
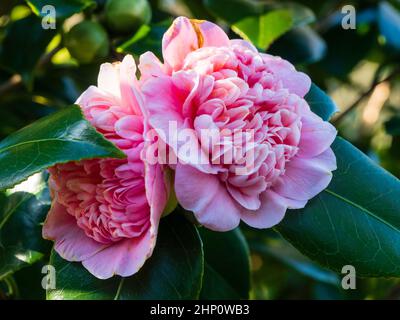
x: 105, y: 212
x: 208, y: 82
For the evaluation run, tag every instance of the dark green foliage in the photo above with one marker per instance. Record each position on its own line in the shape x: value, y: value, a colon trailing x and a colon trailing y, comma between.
x: 356, y: 220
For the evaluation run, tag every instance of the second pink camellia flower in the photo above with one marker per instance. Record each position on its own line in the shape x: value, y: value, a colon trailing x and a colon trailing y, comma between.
x: 208, y: 82
x: 105, y: 212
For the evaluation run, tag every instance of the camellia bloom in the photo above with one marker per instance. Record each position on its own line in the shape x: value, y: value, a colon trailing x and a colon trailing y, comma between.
x: 226, y: 86
x: 105, y: 212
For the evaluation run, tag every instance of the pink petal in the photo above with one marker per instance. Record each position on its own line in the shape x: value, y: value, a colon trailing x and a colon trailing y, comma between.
x: 150, y: 66
x: 130, y: 127
x: 251, y: 202
x: 212, y: 35
x: 126, y: 257
x: 304, y: 178
x: 316, y: 136
x: 207, y: 197
x: 157, y: 192
x: 328, y: 159
x: 108, y: 79
x: 117, y: 89
x: 271, y: 212
x: 243, y: 43
x: 163, y: 109
x: 297, y: 82
x: 164, y: 102
x: 130, y: 92
x: 185, y: 36
x: 71, y: 242
x: 123, y: 258
x: 94, y: 100
x: 179, y: 40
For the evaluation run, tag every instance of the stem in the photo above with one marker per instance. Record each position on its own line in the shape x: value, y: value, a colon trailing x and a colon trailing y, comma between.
x: 46, y: 58
x: 14, y: 82
x: 364, y: 95
x: 12, y: 287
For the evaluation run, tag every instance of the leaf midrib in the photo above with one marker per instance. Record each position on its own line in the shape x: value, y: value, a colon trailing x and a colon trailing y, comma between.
x: 362, y: 209
x: 44, y: 140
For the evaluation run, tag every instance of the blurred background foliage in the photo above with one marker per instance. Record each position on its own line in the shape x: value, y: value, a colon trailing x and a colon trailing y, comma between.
x: 43, y: 70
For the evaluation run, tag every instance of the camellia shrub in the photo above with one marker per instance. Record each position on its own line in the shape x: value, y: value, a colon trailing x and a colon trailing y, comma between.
x: 189, y: 150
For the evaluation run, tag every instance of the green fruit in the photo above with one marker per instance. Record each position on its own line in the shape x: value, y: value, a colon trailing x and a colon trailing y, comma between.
x: 87, y: 41
x: 125, y: 16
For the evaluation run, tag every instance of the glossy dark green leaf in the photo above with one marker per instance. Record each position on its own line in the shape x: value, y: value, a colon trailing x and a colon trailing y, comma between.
x: 322, y: 291
x: 299, y: 45
x: 61, y: 137
x: 226, y: 265
x: 29, y: 281
x: 389, y: 24
x: 355, y: 221
x: 320, y: 103
x: 265, y: 29
x: 16, y: 45
x: 301, y: 15
x: 64, y: 8
x: 285, y: 253
x: 198, y: 10
x: 232, y: 11
x: 236, y: 10
x: 21, y: 243
x: 147, y: 38
x: 18, y: 110
x: 174, y: 271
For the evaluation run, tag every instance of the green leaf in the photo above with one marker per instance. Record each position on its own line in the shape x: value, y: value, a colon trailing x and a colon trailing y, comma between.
x: 320, y: 103
x: 232, y: 11
x: 197, y: 9
x: 147, y: 38
x: 16, y: 258
x: 355, y: 221
x: 323, y: 291
x: 389, y: 24
x: 265, y: 29
x: 16, y: 45
x: 29, y: 282
x: 61, y: 137
x: 18, y: 110
x: 301, y: 15
x: 21, y: 215
x: 299, y: 45
x: 64, y: 8
x: 174, y: 271
x: 283, y: 252
x: 226, y: 265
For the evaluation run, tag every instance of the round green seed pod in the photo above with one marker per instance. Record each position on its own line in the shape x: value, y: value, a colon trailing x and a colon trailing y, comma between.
x: 87, y: 41
x: 124, y: 16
